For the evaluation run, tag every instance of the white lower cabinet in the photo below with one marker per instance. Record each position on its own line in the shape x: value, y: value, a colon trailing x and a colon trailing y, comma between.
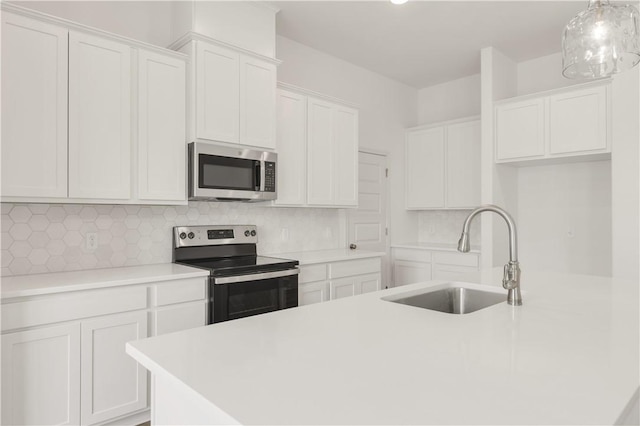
x: 419, y: 265
x: 113, y: 383
x: 41, y: 376
x: 334, y: 280
x: 63, y: 355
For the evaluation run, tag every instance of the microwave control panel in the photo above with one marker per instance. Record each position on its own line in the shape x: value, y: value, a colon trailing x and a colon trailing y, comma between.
x: 269, y: 176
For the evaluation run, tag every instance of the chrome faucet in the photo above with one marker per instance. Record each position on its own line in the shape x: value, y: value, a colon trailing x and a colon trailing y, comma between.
x: 511, y: 278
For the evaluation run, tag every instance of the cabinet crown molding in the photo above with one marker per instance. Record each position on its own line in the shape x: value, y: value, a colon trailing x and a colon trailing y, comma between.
x: 317, y: 95
x: 551, y: 92
x: 193, y: 36
x: 75, y: 26
x: 443, y: 123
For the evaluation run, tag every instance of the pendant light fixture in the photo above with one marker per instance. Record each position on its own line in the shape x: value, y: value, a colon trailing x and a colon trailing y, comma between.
x: 601, y: 41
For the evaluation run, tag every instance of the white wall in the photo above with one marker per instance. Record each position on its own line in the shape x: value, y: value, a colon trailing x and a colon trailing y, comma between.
x: 386, y: 108
x: 148, y: 21
x: 540, y: 74
x: 447, y: 101
x: 564, y: 217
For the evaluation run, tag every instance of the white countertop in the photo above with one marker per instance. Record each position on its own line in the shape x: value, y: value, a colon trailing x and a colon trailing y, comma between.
x: 323, y: 256
x: 59, y: 282
x: 433, y: 246
x: 569, y: 355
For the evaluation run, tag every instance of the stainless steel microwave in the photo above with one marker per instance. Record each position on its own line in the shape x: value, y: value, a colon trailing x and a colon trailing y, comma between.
x: 222, y: 173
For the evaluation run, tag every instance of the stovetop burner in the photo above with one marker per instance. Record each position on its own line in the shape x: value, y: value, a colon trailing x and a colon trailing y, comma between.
x: 242, y: 265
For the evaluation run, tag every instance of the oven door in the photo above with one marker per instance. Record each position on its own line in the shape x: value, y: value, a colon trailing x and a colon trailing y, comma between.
x: 243, y: 296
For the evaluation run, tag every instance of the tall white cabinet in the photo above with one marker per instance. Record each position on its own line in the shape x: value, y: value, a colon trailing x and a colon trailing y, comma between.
x: 443, y: 165
x: 34, y: 108
x: 99, y: 117
x: 161, y: 127
x: 318, y: 151
x: 89, y: 117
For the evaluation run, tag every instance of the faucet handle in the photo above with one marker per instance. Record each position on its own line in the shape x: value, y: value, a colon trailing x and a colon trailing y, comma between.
x: 511, y: 277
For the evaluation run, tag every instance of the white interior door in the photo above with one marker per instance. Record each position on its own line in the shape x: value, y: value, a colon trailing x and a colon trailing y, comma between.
x: 367, y: 225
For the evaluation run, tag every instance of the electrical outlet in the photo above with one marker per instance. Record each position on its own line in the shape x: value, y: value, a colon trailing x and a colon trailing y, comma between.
x: 91, y: 242
x: 284, y: 234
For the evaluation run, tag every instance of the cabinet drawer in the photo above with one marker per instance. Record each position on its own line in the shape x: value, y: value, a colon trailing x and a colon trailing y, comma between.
x: 412, y: 255
x: 410, y: 272
x: 354, y: 267
x: 454, y: 273
x: 177, y: 318
x: 180, y: 291
x: 451, y: 258
x: 70, y: 306
x: 311, y: 273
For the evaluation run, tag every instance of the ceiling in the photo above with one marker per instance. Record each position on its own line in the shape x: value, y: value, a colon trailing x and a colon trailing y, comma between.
x: 422, y: 43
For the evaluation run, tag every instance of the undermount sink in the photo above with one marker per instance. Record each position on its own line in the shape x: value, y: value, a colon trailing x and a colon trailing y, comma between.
x: 454, y: 298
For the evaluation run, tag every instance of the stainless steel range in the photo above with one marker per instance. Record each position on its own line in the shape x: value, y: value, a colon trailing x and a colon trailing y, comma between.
x: 241, y: 283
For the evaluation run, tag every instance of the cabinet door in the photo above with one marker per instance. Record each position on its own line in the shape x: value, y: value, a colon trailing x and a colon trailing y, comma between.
x: 41, y: 376
x: 425, y: 168
x: 217, y: 93
x: 179, y: 317
x: 113, y: 383
x: 313, y: 293
x: 463, y: 165
x: 343, y: 287
x: 345, y: 144
x: 161, y: 127
x: 454, y: 273
x: 291, y: 147
x: 520, y: 130
x: 257, y: 103
x: 410, y: 272
x: 99, y: 118
x: 578, y: 121
x: 320, y: 155
x: 368, y: 283
x: 34, y: 108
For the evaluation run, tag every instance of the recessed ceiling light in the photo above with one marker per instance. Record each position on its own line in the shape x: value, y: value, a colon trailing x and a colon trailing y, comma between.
x: 398, y: 1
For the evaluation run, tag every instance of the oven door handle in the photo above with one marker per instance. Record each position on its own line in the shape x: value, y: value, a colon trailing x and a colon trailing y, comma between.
x: 255, y: 277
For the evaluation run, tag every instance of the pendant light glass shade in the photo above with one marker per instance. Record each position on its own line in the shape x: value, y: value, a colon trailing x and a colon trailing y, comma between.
x: 601, y: 41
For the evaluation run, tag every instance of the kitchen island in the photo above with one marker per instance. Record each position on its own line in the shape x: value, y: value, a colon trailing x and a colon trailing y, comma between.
x: 569, y: 355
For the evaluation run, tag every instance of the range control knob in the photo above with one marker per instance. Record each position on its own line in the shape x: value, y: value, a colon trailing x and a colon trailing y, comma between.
x: 247, y: 233
x: 253, y: 233
x: 183, y: 235
x: 191, y: 235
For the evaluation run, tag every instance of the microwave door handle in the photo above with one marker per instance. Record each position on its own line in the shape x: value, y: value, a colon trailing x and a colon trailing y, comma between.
x: 258, y: 175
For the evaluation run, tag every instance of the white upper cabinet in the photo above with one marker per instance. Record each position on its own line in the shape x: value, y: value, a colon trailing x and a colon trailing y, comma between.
x: 257, y: 102
x: 34, y: 108
x: 463, y: 165
x: 89, y: 117
x: 292, y: 148
x: 234, y: 95
x: 345, y: 143
x: 320, y: 152
x: 443, y: 165
x: 425, y: 168
x: 520, y: 130
x: 578, y: 121
x: 217, y: 93
x: 99, y: 118
x: 317, y: 146
x: 161, y: 127
x: 571, y: 122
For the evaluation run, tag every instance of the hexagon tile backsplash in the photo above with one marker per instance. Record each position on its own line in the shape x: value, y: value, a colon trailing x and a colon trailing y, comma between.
x: 40, y: 238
